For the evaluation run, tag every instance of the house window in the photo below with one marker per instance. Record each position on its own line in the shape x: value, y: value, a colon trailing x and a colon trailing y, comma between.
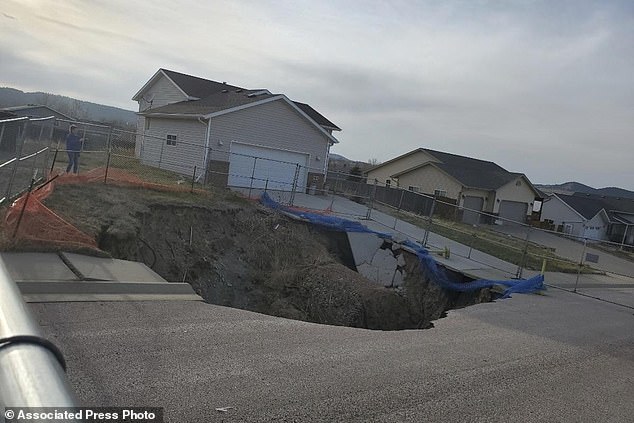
x: 413, y: 188
x: 171, y: 139
x: 440, y: 193
x: 147, y: 123
x: 388, y: 183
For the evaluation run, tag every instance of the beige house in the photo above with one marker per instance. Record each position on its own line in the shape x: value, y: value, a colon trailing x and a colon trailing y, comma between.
x: 475, y: 185
x: 244, y: 138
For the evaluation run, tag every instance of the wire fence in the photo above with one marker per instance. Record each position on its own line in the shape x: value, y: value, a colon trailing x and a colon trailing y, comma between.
x: 515, y: 248
x: 24, y: 150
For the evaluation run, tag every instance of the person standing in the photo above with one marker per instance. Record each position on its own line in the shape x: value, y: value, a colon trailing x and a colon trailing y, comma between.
x: 73, y: 148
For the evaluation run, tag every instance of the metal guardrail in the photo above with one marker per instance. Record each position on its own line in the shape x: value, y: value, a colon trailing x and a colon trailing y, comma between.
x: 31, y: 372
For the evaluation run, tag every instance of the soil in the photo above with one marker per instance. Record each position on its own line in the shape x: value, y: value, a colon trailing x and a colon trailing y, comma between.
x: 237, y: 253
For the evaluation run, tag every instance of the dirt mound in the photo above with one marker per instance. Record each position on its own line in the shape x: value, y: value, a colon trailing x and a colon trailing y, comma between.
x: 236, y: 253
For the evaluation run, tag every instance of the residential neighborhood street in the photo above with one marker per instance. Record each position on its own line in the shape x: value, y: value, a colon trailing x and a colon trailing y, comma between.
x: 571, y: 249
x: 617, y: 285
x: 531, y: 358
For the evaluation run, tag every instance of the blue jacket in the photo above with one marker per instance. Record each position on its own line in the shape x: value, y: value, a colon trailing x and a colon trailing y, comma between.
x: 73, y: 142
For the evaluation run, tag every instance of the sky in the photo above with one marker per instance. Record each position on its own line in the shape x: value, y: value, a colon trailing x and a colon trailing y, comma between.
x: 545, y: 88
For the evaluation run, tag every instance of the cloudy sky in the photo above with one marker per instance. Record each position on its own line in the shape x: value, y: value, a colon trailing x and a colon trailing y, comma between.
x: 540, y: 87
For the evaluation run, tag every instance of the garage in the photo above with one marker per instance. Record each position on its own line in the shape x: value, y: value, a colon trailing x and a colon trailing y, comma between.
x: 514, y: 211
x: 472, y: 203
x: 271, y: 168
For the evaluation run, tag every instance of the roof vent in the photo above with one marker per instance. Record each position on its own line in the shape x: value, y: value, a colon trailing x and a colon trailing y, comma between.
x: 239, y: 90
x: 225, y: 91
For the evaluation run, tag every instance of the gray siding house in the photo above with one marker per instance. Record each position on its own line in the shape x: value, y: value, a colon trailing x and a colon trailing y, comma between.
x: 577, y: 216
x: 591, y: 216
x: 231, y: 134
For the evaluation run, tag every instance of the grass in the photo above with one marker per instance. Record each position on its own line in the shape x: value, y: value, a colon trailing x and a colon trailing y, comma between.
x: 507, y: 248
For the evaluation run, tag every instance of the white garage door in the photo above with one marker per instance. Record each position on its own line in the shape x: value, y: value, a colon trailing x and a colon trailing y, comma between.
x: 513, y: 210
x: 274, y: 169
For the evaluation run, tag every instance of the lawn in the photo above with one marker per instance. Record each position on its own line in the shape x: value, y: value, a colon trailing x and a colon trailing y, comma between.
x: 504, y: 247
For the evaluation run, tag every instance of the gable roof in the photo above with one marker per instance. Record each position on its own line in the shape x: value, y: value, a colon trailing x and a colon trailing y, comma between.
x: 213, y: 103
x: 618, y: 204
x: 586, y: 207
x: 316, y: 116
x: 14, y: 109
x: 207, y: 92
x: 194, y: 86
x: 226, y: 102
x: 471, y: 173
x: 5, y: 114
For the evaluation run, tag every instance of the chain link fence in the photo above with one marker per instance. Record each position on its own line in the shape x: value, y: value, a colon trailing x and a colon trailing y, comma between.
x: 515, y: 248
x: 24, y: 153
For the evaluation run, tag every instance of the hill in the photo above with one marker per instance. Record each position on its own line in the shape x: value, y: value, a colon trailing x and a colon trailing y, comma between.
x: 78, y: 109
x: 572, y: 187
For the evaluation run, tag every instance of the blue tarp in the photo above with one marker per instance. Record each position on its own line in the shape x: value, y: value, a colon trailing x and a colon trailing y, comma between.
x: 433, y: 271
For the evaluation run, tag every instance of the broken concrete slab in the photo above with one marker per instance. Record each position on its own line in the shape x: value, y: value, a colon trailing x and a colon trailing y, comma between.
x: 364, y: 246
x: 106, y: 269
x: 386, y: 265
x: 37, y: 267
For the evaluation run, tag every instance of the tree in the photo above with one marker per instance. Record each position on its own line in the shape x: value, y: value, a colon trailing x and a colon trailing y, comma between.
x: 374, y: 161
x: 355, y: 174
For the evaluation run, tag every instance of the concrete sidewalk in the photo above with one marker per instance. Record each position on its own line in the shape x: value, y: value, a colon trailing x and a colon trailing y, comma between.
x: 62, y: 277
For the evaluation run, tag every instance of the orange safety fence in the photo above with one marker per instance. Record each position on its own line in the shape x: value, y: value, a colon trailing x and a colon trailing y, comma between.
x: 40, y: 224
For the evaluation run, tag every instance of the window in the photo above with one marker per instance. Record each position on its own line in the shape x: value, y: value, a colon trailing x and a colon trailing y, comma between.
x: 440, y: 193
x: 147, y: 123
x: 413, y: 189
x: 388, y: 183
x: 171, y: 139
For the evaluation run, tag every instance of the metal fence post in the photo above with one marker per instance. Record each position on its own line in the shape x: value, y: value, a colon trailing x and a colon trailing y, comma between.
x: 429, y: 221
x: 585, y: 244
x: 109, y: 141
x: 39, y: 137
x: 54, y: 160
x: 520, y: 266
x: 193, y: 178
x: 18, y: 156
x: 105, y: 178
x: 255, y: 160
x: 26, y: 201
x: 400, y: 202
x: 294, y: 184
x: 161, y: 156
x: 1, y: 133
x: 372, y: 195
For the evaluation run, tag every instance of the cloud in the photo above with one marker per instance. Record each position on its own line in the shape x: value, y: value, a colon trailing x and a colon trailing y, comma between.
x: 545, y: 88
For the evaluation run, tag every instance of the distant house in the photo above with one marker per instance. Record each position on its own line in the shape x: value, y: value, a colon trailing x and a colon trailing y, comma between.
x: 36, y: 111
x: 59, y: 126
x: 474, y: 184
x: 591, y: 216
x: 186, y: 123
x: 577, y: 216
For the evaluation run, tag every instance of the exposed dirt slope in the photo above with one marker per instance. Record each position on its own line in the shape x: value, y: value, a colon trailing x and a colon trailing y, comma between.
x: 236, y: 253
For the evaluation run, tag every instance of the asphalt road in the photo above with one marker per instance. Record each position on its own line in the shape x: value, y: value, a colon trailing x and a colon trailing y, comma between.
x: 555, y: 357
